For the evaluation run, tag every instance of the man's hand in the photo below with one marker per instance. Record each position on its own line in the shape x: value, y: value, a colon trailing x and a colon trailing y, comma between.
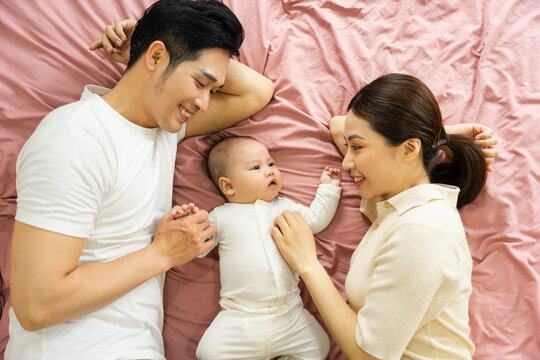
x: 182, y: 235
x: 331, y: 176
x: 481, y: 135
x: 115, y: 42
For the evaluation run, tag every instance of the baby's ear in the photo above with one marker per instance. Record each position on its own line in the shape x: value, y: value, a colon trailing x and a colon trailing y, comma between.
x: 226, y: 186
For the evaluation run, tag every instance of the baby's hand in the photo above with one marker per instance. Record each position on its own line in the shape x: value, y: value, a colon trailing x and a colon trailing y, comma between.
x: 331, y: 176
x: 184, y: 210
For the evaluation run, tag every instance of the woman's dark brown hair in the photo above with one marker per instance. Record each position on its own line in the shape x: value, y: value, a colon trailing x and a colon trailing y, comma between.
x: 401, y: 107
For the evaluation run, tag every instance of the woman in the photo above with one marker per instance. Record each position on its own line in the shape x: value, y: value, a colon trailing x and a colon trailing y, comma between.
x: 410, y: 278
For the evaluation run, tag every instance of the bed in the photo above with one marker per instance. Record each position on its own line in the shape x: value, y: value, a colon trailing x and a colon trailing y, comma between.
x: 480, y: 58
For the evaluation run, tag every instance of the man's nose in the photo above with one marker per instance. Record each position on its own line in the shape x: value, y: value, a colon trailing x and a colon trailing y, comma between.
x: 202, y: 101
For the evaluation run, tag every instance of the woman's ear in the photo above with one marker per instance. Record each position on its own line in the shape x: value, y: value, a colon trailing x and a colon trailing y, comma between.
x: 155, y: 55
x: 226, y: 186
x: 411, y: 149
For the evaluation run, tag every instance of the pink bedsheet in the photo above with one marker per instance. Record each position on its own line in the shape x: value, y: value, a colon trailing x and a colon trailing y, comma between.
x: 480, y: 58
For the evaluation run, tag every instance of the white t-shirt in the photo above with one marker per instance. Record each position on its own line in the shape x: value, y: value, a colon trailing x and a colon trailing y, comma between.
x: 88, y: 172
x: 254, y: 276
x: 410, y: 277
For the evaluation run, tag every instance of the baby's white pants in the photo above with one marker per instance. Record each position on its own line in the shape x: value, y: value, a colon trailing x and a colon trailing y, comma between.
x: 236, y: 335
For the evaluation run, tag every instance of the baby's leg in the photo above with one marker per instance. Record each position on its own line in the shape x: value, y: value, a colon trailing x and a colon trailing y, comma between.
x: 303, y: 339
x: 234, y: 335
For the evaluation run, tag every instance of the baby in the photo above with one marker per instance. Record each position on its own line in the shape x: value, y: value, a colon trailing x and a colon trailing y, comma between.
x: 262, y: 312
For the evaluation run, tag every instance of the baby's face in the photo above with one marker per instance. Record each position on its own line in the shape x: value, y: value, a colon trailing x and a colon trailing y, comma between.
x: 253, y: 173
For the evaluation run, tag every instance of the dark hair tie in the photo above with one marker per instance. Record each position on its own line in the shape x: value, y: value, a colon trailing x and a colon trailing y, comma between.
x: 443, y: 142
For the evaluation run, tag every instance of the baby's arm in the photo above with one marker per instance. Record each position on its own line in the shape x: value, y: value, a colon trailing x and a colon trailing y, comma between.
x: 322, y: 209
x: 331, y: 176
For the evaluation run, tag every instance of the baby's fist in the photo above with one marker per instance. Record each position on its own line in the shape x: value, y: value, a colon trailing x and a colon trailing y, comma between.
x: 180, y: 211
x: 331, y: 176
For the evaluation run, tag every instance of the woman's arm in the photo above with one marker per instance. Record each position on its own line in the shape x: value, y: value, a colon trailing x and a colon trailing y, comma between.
x: 244, y: 93
x: 337, y: 130
x: 295, y: 242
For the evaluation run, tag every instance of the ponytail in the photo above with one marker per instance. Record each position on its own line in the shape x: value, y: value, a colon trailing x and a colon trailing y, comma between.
x: 467, y: 169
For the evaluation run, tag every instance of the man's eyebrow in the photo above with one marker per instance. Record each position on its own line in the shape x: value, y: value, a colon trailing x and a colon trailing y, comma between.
x: 351, y: 137
x: 207, y: 74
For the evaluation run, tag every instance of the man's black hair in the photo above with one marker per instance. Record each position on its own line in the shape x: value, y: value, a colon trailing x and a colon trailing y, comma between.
x: 186, y: 27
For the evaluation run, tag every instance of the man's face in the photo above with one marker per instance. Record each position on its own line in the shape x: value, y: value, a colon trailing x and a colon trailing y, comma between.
x: 175, y: 98
x: 253, y: 173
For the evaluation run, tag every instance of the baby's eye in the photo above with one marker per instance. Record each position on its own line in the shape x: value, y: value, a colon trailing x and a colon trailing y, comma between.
x: 256, y: 167
x: 272, y: 164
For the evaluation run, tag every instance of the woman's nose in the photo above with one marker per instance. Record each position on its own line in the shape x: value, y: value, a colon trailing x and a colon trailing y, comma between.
x: 347, y: 163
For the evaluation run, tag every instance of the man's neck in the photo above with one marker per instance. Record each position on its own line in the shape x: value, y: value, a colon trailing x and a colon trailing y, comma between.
x: 128, y: 100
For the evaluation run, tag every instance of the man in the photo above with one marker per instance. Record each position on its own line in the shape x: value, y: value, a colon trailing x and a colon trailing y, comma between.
x: 93, y: 234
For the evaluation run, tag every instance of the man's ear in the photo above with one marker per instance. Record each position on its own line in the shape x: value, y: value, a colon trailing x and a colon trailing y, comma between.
x: 226, y: 186
x: 411, y: 149
x: 155, y: 55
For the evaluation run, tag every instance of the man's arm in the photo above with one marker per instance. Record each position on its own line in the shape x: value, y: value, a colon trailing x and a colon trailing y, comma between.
x: 48, y: 287
x: 244, y: 93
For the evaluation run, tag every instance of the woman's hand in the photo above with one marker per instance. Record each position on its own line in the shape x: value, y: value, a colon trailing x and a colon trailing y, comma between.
x: 481, y: 135
x: 295, y: 241
x: 114, y: 43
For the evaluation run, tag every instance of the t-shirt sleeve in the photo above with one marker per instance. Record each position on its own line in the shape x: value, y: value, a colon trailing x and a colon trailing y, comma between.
x: 62, y: 174
x: 409, y: 271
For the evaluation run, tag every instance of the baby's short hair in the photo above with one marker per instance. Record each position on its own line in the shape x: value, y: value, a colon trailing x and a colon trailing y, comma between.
x: 220, y: 154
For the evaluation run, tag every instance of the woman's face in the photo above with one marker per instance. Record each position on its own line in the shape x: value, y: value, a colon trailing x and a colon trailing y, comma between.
x: 376, y: 167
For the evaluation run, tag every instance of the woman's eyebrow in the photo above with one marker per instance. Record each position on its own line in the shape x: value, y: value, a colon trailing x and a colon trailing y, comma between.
x: 351, y: 137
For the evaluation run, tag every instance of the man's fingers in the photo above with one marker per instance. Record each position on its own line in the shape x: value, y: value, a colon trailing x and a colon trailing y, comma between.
x: 119, y: 31
x: 110, y: 32
x: 106, y: 44
x: 208, y: 232
x: 95, y: 45
x: 207, y: 245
